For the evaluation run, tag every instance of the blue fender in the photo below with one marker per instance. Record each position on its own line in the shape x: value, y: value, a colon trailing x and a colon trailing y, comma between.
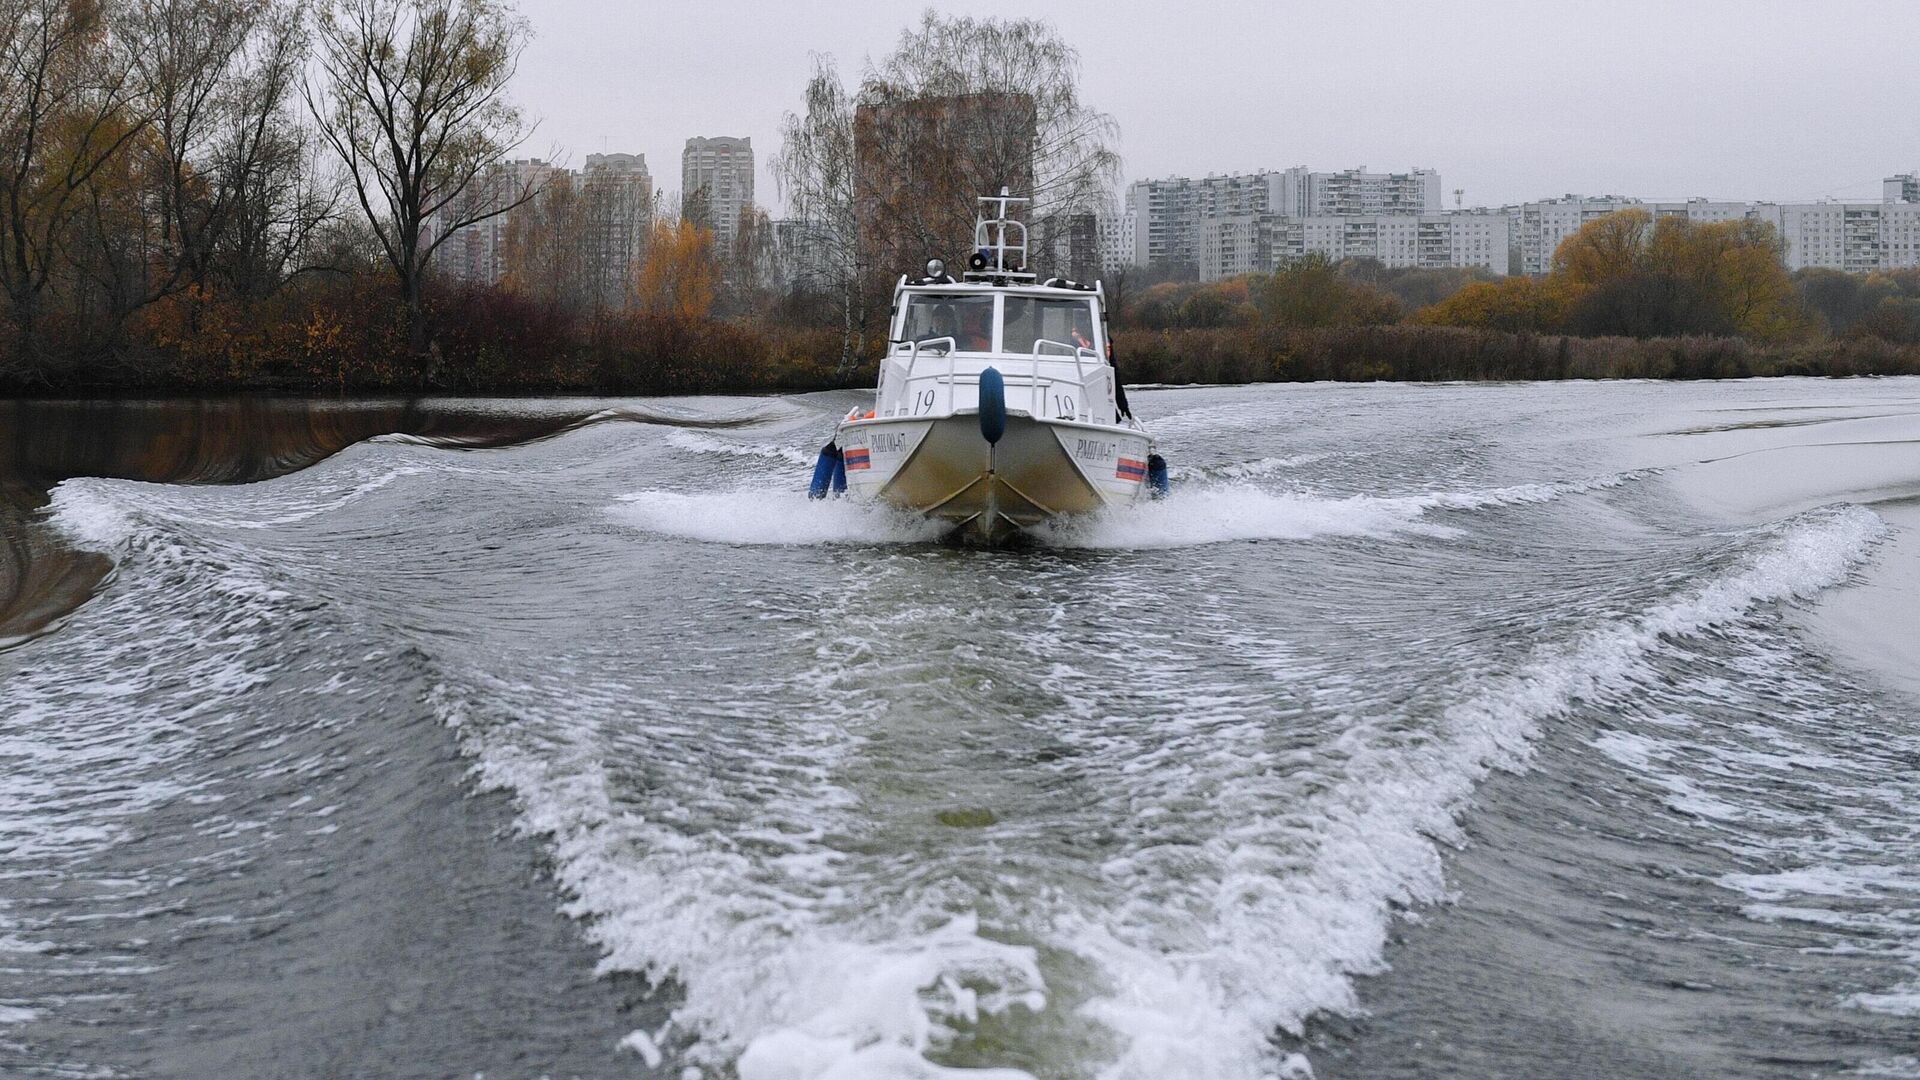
x: 993, y: 405
x: 1157, y: 483
x: 829, y: 471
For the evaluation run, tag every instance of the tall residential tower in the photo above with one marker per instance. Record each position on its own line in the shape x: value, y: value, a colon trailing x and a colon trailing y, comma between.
x: 719, y: 173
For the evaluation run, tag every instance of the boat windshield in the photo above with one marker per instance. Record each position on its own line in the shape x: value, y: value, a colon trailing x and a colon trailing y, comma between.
x: 968, y: 320
x: 1055, y: 327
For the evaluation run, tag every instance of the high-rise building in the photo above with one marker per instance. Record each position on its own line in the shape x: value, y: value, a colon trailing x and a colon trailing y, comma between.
x: 1168, y: 213
x: 1116, y: 237
x: 1541, y: 226
x: 1904, y: 188
x: 477, y: 253
x: 617, y: 194
x: 716, y: 174
x: 1353, y: 192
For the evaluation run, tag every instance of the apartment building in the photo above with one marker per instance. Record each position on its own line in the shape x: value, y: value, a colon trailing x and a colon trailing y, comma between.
x: 1116, y: 235
x: 1202, y: 224
x: 719, y: 172
x: 617, y: 195
x: 1168, y: 213
x: 1402, y: 241
x: 1300, y: 193
x: 1857, y: 237
x: 477, y: 253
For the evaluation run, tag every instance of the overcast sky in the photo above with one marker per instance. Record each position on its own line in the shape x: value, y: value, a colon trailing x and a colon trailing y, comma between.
x: 1758, y: 99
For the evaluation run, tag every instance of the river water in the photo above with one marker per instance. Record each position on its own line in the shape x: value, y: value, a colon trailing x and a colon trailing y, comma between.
x: 1425, y: 731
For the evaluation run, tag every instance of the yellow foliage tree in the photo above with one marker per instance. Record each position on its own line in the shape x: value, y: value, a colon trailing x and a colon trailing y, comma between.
x: 681, y: 274
x: 1627, y: 274
x: 1516, y: 305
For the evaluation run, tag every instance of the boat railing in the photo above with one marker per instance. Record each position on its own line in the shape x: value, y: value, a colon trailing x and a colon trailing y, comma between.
x: 913, y: 359
x: 1075, y: 406
x: 1081, y: 404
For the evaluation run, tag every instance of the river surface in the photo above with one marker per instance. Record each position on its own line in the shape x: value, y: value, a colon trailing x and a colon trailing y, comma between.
x: 1557, y: 730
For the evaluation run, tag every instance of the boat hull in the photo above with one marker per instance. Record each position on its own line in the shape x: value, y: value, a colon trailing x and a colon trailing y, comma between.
x: 1039, y: 470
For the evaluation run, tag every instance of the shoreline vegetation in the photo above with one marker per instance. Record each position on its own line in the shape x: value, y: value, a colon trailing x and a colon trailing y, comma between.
x: 649, y: 357
x: 205, y: 198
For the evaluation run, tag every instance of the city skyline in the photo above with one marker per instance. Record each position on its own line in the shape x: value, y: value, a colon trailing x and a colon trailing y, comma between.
x: 1510, y: 103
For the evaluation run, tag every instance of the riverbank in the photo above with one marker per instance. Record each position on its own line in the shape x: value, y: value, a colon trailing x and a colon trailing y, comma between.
x: 649, y: 355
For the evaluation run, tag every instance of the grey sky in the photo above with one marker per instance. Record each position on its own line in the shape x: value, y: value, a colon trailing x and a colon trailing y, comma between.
x: 1762, y: 99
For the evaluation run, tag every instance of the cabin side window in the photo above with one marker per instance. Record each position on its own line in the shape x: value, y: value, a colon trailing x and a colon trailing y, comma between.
x: 1048, y: 327
x: 939, y: 323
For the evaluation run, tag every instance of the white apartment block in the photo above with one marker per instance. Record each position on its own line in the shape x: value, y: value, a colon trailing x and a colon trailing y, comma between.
x: 1857, y: 237
x: 1243, y: 243
x: 1230, y: 244
x: 1434, y: 241
x: 1168, y: 214
x: 1298, y: 193
x: 722, y: 167
x: 1116, y: 236
x: 1539, y: 227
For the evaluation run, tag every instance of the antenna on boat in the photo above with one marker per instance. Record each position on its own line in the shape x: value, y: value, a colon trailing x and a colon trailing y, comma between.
x: 999, y: 242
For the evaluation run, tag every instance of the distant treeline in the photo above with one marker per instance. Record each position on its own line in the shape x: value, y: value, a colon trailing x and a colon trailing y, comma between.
x: 209, y: 196
x: 1421, y: 353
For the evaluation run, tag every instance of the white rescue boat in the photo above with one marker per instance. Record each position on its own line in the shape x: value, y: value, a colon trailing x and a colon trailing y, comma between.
x: 998, y: 408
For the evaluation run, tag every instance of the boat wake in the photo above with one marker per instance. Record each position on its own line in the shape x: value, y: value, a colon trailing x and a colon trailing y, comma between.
x: 1194, y: 515
x: 1181, y: 954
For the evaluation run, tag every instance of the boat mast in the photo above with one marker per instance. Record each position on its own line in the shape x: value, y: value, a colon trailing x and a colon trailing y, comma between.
x: 999, y: 242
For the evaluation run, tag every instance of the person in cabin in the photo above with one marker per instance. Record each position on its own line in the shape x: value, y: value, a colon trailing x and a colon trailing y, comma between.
x: 944, y: 324
x: 978, y: 335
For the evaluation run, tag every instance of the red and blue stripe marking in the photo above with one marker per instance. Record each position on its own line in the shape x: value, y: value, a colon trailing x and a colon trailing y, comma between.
x: 857, y: 459
x: 1130, y: 469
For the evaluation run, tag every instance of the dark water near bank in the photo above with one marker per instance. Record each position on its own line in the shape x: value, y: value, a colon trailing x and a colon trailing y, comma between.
x: 1427, y: 731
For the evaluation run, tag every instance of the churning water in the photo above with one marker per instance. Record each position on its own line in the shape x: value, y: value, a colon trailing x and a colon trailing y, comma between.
x: 1425, y: 731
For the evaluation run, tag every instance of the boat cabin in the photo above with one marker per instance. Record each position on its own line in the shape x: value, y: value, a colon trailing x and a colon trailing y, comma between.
x: 1049, y: 343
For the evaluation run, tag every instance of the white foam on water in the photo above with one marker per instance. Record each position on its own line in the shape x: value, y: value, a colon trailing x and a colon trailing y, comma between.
x: 1280, y: 937
x: 700, y: 443
x: 1814, y: 797
x: 1199, y: 514
x: 774, y: 986
x: 102, y: 514
x: 1243, y: 470
x: 756, y: 516
x: 792, y: 966
x: 88, y: 516
x: 10, y: 1014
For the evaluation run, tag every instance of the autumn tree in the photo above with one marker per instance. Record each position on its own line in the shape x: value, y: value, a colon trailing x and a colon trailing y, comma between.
x: 233, y: 190
x: 1517, y: 305
x: 67, y: 109
x: 411, y: 95
x: 547, y: 246
x: 888, y: 176
x: 681, y: 274
x: 964, y: 106
x: 1628, y: 274
x: 1310, y: 291
x: 815, y: 172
